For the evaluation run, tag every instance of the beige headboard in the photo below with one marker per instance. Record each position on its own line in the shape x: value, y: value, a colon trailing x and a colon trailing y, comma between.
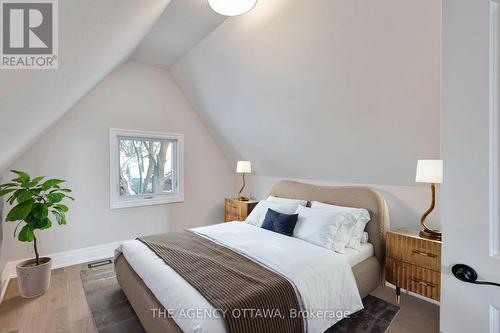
x: 351, y: 196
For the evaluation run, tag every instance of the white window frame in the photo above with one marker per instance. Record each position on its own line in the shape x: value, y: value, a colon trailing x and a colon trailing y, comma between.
x: 116, y: 201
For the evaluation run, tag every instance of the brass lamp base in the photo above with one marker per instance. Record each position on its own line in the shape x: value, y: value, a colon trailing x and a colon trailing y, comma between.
x: 241, y: 197
x: 430, y: 234
x: 427, y: 232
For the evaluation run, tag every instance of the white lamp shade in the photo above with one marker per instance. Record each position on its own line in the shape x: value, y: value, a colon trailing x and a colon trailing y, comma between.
x: 429, y: 171
x: 231, y: 7
x: 244, y: 167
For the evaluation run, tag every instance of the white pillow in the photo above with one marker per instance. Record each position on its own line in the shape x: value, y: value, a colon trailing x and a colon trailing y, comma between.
x: 287, y: 201
x: 362, y: 218
x: 357, y: 234
x: 256, y: 217
x: 364, y: 238
x: 344, y: 233
x: 317, y: 226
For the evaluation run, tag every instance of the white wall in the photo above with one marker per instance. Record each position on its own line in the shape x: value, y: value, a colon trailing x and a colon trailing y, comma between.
x: 76, y: 148
x: 337, y: 90
x: 406, y: 203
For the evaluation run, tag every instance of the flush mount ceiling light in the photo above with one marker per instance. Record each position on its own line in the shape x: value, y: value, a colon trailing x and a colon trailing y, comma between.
x: 231, y: 7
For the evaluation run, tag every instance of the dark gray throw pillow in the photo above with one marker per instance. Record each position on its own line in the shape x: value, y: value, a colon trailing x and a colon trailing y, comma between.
x: 279, y: 222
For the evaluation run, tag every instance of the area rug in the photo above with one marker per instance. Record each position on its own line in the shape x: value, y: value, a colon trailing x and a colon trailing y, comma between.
x: 374, y: 318
x: 112, y: 313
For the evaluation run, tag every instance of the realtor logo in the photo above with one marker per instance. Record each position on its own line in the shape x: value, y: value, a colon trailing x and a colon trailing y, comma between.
x: 29, y: 34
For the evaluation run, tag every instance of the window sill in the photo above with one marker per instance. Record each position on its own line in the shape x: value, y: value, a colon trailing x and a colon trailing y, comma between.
x: 146, y: 202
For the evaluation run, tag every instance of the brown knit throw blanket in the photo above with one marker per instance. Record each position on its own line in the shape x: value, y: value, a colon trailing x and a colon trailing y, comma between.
x: 251, y: 297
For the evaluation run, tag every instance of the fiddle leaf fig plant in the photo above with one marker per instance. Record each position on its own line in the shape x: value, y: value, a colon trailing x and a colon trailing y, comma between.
x: 34, y: 201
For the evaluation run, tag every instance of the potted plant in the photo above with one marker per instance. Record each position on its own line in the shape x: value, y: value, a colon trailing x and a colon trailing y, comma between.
x: 33, y: 200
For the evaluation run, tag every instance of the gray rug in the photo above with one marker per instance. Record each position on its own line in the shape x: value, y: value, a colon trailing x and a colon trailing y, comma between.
x: 112, y: 313
x: 374, y: 318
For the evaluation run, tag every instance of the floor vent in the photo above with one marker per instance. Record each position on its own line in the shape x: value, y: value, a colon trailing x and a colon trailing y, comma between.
x: 99, y: 263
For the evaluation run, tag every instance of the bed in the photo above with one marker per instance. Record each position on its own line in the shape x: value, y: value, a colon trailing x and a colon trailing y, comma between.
x: 366, y: 264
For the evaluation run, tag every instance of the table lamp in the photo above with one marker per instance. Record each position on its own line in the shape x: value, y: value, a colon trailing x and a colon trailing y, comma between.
x: 243, y: 167
x: 430, y: 172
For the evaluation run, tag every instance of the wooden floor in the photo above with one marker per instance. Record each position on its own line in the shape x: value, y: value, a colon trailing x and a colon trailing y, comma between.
x: 64, y: 308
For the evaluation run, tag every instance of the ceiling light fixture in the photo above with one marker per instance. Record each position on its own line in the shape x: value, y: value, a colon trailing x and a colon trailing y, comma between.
x: 231, y: 7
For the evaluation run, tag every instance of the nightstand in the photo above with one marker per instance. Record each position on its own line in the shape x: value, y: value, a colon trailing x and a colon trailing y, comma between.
x: 413, y: 263
x: 237, y: 210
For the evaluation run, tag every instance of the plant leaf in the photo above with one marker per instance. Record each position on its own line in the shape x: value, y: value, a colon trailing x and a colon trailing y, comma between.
x: 23, y: 176
x: 8, y: 185
x: 55, y: 197
x: 57, y: 215
x: 26, y: 234
x: 51, y: 183
x: 63, y: 208
x: 7, y: 191
x: 64, y: 190
x: 61, y: 219
x: 42, y: 224
x: 23, y: 196
x: 11, y: 199
x: 40, y: 212
x: 20, y: 212
x: 17, y: 226
x: 34, y: 182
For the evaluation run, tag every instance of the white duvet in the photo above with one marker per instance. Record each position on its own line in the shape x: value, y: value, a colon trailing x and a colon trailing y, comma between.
x: 323, y: 280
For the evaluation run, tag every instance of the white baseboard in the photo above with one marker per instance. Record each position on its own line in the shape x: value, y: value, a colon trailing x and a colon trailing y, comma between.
x: 430, y: 300
x: 61, y: 259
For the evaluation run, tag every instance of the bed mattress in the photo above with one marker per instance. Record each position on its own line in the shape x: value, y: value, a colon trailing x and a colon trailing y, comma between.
x: 355, y: 256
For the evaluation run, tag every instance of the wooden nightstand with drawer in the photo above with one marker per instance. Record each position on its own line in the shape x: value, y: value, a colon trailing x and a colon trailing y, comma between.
x: 413, y: 263
x: 237, y: 210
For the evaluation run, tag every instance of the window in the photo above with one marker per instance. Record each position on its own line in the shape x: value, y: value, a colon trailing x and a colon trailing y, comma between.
x: 146, y: 168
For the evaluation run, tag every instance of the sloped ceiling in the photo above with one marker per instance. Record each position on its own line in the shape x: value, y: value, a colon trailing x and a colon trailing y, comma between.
x: 336, y: 90
x: 326, y: 89
x: 94, y: 37
x: 183, y: 25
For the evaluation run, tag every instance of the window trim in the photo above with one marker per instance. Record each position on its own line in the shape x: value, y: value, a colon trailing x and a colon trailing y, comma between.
x: 116, y: 202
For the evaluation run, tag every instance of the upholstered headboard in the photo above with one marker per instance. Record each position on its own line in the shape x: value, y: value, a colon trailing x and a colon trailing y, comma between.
x: 351, y: 196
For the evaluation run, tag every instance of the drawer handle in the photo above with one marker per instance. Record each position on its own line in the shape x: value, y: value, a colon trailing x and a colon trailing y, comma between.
x: 423, y: 283
x: 425, y: 254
